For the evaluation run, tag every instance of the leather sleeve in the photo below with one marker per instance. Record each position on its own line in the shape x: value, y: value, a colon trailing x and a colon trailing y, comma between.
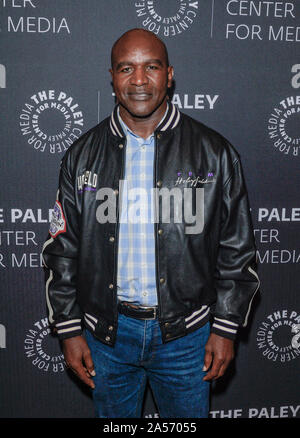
x: 235, y: 279
x: 60, y: 260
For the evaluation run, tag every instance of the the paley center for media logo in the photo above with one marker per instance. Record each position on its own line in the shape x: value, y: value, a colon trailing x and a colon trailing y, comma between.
x: 167, y: 18
x: 42, y: 349
x: 283, y: 121
x: 50, y: 121
x: 278, y: 336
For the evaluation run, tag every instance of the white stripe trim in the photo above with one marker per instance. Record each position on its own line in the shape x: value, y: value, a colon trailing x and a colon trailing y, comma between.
x: 195, y: 313
x: 50, y: 309
x: 111, y: 127
x: 89, y: 323
x: 177, y: 120
x: 170, y: 119
x: 250, y: 303
x: 226, y: 321
x: 92, y: 317
x: 71, y: 321
x: 71, y: 329
x: 50, y: 278
x: 198, y: 319
x: 224, y: 329
x: 114, y: 124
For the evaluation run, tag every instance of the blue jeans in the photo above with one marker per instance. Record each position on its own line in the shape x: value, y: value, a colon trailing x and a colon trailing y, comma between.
x: 174, y: 371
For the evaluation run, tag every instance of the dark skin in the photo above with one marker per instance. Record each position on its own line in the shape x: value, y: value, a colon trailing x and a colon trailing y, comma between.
x: 141, y: 76
x: 78, y: 358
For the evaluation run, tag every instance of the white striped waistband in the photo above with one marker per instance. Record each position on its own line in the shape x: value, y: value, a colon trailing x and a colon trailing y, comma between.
x: 190, y: 320
x: 197, y: 316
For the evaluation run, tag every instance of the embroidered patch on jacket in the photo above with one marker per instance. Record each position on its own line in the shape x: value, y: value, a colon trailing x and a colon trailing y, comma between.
x: 87, y: 182
x: 192, y: 180
x: 58, y: 221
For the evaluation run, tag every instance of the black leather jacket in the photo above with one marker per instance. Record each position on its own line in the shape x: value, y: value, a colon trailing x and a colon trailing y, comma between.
x: 210, y: 274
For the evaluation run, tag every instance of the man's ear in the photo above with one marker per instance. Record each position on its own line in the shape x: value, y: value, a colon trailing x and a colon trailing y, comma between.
x: 170, y: 76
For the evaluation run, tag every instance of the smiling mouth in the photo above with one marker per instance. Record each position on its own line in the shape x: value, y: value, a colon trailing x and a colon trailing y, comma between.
x: 139, y: 95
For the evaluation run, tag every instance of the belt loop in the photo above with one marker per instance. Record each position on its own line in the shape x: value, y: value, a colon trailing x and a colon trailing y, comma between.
x: 155, y: 312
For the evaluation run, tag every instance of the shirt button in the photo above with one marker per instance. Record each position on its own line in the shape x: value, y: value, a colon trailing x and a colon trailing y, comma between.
x: 121, y: 146
x: 162, y: 280
x: 145, y: 293
x: 158, y: 136
x: 107, y: 338
x: 160, y: 231
x: 143, y: 147
x: 159, y: 183
x: 111, y: 286
x: 167, y: 324
x: 111, y: 239
x: 168, y: 335
x: 110, y: 328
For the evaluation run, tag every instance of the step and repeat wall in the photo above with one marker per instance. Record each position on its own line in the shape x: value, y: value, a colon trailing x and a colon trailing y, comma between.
x: 237, y: 69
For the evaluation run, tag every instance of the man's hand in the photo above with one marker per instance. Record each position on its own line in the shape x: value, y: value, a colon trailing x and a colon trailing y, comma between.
x: 219, y: 352
x: 78, y: 357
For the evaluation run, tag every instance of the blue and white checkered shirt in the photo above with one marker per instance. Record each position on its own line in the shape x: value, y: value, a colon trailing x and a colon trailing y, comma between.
x: 136, y: 280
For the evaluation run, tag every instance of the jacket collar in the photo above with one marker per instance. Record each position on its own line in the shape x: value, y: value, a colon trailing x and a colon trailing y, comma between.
x: 170, y: 121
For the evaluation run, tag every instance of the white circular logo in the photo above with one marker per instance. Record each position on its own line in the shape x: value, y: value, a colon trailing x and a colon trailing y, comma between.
x: 42, y: 350
x: 167, y: 18
x: 283, y: 126
x: 278, y: 336
x: 51, y: 121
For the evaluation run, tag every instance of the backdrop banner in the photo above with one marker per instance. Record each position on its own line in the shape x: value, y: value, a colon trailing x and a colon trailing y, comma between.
x: 237, y: 70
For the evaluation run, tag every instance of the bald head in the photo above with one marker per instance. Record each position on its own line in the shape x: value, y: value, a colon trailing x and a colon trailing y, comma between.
x: 138, y: 36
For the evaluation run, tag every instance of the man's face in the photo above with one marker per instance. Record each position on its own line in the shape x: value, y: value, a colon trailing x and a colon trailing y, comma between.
x: 140, y: 74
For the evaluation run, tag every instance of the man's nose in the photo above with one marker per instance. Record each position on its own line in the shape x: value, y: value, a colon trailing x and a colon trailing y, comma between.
x: 139, y: 77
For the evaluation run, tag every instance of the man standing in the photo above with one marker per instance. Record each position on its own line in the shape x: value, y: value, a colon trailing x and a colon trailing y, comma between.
x: 160, y: 298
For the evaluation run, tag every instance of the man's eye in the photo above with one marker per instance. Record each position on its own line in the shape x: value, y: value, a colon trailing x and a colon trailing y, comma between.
x: 152, y: 67
x: 126, y: 69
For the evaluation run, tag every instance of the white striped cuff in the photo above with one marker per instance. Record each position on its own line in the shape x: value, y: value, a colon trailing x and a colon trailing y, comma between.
x: 68, y: 327
x: 225, y: 328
